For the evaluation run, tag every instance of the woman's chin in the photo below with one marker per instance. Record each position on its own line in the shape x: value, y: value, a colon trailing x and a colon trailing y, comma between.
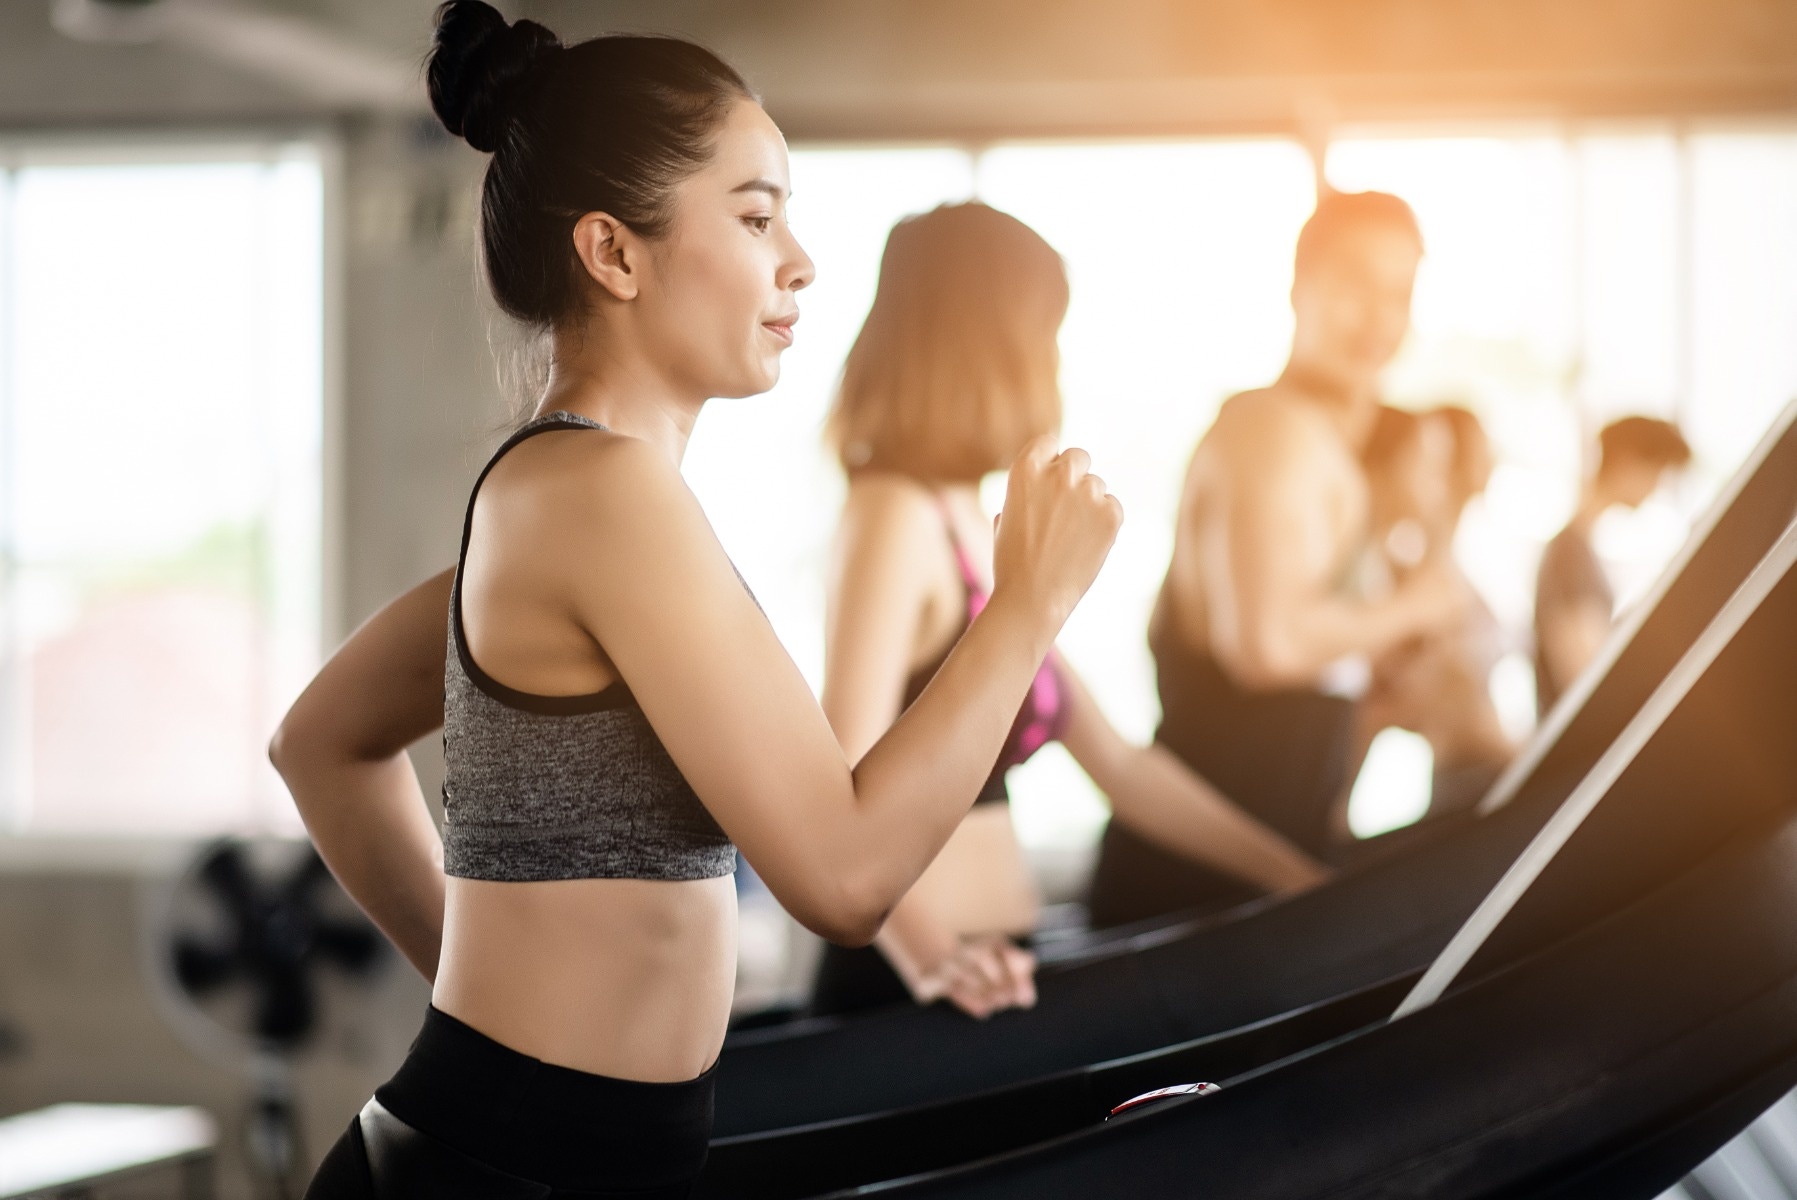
x: 751, y: 383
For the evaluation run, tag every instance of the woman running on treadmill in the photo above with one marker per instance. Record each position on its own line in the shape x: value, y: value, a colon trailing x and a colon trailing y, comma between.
x: 953, y: 371
x: 618, y: 715
x: 1423, y: 470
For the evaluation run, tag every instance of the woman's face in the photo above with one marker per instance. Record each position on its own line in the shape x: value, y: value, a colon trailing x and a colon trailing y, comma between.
x: 1416, y: 482
x: 723, y: 298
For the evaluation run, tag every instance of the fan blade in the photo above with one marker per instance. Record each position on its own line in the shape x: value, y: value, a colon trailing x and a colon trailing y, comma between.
x: 307, y: 877
x: 284, y: 1007
x: 354, y: 946
x: 227, y: 872
x: 202, y: 966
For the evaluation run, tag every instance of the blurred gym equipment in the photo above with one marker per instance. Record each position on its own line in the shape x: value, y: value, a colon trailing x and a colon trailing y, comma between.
x: 1379, y: 924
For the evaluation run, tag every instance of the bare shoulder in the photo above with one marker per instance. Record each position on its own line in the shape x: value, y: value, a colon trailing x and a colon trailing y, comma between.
x: 1270, y: 422
x: 570, y: 478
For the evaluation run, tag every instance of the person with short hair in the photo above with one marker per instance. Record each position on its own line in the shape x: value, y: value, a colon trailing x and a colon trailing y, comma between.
x: 956, y: 367
x: 1261, y: 635
x: 1574, y: 601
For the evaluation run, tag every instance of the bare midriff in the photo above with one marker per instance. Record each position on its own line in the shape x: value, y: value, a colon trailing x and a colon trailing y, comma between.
x: 630, y: 978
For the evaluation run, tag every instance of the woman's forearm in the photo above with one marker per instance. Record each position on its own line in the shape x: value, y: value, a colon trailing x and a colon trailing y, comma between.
x: 1159, y: 797
x: 1162, y: 799
x: 906, y: 812
x: 370, y: 824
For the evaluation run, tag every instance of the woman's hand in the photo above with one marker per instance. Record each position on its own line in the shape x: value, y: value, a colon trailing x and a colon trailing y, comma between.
x: 982, y: 975
x: 1057, y: 526
x: 979, y: 973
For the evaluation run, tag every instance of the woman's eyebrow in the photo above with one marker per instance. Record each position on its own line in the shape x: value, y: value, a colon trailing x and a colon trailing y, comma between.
x: 774, y: 190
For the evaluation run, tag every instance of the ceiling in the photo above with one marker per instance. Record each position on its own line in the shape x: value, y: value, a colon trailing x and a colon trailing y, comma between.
x: 977, y: 69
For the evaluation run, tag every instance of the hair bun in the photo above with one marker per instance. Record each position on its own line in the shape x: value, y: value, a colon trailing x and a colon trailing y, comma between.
x: 477, y: 64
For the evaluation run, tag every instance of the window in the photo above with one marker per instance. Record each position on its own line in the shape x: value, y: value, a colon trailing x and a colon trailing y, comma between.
x: 161, y: 405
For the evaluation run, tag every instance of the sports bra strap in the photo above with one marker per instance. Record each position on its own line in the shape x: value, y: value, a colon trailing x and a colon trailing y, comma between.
x: 969, y: 579
x: 615, y: 694
x: 547, y: 423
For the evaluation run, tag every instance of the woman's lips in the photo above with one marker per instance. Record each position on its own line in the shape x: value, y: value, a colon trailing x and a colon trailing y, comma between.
x: 782, y: 327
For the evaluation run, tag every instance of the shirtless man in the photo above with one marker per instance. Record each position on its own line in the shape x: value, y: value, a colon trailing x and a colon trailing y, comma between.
x: 1259, y: 625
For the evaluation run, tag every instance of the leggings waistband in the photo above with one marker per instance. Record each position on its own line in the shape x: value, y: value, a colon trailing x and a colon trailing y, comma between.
x: 557, y: 1125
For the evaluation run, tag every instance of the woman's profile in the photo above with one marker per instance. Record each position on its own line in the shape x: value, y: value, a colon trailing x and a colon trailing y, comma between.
x: 619, y: 718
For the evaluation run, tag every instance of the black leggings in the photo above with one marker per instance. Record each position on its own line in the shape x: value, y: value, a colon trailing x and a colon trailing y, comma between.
x: 466, y: 1097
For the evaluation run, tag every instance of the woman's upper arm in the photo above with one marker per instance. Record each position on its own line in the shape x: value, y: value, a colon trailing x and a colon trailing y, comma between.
x: 1089, y: 735
x: 877, y: 598
x: 651, y: 584
x: 383, y: 688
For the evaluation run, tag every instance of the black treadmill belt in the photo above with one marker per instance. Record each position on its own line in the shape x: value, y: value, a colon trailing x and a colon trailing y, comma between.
x: 790, y: 1163
x: 1297, y: 954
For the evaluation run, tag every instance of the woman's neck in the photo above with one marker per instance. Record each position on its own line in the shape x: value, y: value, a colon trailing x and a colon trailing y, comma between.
x: 965, y: 495
x: 590, y: 377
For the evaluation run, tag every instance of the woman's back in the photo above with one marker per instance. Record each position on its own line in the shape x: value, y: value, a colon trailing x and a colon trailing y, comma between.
x: 590, y: 914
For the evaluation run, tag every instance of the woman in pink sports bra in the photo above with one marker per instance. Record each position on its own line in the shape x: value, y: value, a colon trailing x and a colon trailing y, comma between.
x: 954, y: 369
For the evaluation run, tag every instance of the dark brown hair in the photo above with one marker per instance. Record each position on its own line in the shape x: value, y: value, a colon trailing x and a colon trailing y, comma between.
x: 607, y: 125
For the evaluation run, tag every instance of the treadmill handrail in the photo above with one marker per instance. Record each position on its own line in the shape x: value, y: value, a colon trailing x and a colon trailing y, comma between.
x: 1572, y: 700
x: 1603, y: 775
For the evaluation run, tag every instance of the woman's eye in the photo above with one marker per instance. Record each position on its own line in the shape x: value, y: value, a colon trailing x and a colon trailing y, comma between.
x: 759, y: 224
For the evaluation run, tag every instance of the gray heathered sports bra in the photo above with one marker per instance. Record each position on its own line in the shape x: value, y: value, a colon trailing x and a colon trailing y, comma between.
x: 560, y: 787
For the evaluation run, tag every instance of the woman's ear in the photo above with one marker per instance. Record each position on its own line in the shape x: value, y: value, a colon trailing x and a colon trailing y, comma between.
x: 611, y: 253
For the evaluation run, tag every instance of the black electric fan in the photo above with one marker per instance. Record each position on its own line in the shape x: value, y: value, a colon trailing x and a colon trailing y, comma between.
x: 240, y: 943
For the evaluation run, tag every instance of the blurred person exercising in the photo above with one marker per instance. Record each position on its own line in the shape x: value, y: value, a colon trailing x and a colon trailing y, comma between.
x: 954, y: 369
x: 1423, y: 469
x: 618, y: 714
x: 1574, y: 602
x: 1260, y: 636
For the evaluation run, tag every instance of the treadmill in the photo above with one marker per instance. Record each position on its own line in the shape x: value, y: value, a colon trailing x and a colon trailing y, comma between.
x: 1372, y: 928
x: 1619, y: 1006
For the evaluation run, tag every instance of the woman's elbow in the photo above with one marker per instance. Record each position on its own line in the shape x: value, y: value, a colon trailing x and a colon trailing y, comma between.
x: 845, y: 914
x: 849, y: 934
x: 297, y: 744
x: 282, y: 753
